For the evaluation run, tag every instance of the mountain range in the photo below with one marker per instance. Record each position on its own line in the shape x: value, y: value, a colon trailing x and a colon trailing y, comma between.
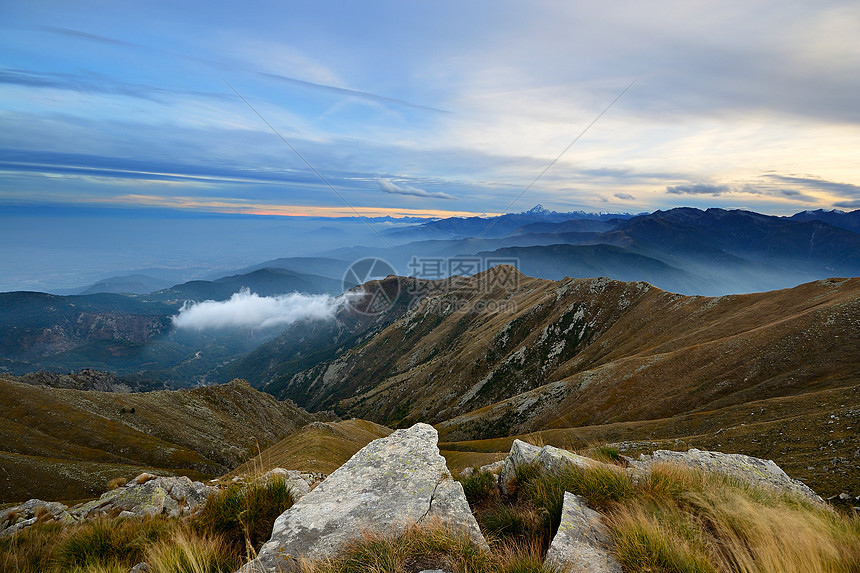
x: 485, y: 358
x: 611, y: 359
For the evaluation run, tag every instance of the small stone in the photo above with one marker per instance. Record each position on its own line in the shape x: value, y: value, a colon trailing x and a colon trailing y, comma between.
x: 141, y: 567
x: 494, y: 468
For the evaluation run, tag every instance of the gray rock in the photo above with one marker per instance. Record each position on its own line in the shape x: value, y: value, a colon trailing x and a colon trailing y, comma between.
x: 467, y: 472
x: 148, y: 495
x: 141, y: 567
x: 390, y: 484
x: 554, y: 459
x: 494, y: 468
x: 755, y: 471
x: 18, y: 526
x: 298, y: 482
x: 521, y: 453
x: 582, y: 544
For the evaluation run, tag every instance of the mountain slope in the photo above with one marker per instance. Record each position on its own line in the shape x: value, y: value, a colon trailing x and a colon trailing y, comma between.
x: 583, y: 352
x: 65, y: 443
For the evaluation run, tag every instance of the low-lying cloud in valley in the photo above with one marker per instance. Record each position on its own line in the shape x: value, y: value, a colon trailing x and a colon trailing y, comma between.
x: 246, y: 309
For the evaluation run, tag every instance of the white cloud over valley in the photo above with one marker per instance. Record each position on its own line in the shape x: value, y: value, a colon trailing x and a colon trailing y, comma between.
x: 246, y: 309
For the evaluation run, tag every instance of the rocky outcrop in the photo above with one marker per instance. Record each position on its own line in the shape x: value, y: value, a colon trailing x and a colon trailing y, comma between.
x: 148, y: 495
x: 521, y: 453
x: 548, y: 458
x: 756, y: 471
x: 583, y: 543
x: 28, y: 513
x: 390, y: 484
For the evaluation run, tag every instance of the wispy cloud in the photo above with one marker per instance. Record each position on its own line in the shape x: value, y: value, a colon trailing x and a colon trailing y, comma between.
x: 855, y: 204
x: 798, y: 196
x: 390, y: 186
x: 625, y: 196
x: 697, y: 189
x: 815, y: 183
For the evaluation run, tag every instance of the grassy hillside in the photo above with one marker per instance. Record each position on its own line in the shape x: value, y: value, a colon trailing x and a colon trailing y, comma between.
x: 65, y: 444
x: 321, y: 447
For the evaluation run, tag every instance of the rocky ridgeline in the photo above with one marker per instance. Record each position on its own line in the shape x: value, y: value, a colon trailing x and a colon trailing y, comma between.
x: 394, y: 483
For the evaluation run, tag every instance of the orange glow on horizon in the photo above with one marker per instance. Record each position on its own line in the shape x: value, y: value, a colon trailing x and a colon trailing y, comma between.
x: 240, y: 207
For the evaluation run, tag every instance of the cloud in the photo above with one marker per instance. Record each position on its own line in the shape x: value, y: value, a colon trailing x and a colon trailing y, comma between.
x: 625, y: 196
x: 815, y: 183
x: 246, y: 309
x: 389, y: 186
x: 798, y: 196
x: 697, y: 189
x: 855, y: 204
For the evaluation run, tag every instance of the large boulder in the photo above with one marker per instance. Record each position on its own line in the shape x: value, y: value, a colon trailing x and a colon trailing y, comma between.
x: 755, y: 471
x: 389, y: 485
x: 582, y: 543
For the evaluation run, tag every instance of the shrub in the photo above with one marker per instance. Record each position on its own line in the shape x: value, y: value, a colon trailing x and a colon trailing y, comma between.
x: 245, y: 514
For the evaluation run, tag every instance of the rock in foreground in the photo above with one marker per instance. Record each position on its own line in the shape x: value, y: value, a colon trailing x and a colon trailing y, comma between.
x: 582, y: 544
x: 389, y: 485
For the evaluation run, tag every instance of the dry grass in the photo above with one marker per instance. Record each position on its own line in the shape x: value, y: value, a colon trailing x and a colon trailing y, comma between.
x: 116, y: 482
x: 243, y: 514
x: 315, y: 449
x: 685, y: 520
x: 676, y: 520
x: 231, y: 526
x: 432, y: 546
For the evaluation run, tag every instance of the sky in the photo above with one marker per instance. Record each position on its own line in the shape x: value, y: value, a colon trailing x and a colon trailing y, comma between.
x: 429, y: 108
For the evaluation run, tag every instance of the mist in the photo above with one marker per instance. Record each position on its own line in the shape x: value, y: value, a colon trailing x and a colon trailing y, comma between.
x: 246, y: 309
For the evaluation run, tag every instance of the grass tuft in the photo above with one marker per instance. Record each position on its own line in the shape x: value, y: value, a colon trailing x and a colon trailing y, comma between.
x: 605, y: 453
x: 117, y: 482
x: 103, y: 541
x: 480, y: 487
x: 518, y: 523
x: 189, y: 553
x: 244, y: 514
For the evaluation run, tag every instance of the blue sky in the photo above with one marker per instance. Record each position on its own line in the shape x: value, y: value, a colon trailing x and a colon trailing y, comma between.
x: 430, y: 108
